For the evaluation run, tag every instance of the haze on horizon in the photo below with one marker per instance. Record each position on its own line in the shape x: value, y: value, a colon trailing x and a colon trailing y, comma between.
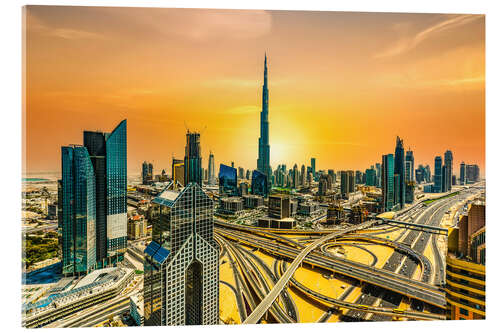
x: 342, y: 85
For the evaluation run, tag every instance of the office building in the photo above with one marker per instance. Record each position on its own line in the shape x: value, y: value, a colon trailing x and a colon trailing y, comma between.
x: 409, y: 166
x: 259, y: 184
x: 181, y: 268
x: 252, y: 201
x: 108, y: 153
x: 78, y: 216
x: 147, y: 173
x: 371, y: 177
x: 344, y: 184
x: 465, y: 266
x: 438, y: 170
x: 178, y: 171
x: 387, y: 182
x: 399, y: 173
x: 228, y: 183
x: 447, y: 175
x: 313, y: 167
x: 192, y: 159
x: 350, y: 175
x: 462, y: 179
x: 378, y: 168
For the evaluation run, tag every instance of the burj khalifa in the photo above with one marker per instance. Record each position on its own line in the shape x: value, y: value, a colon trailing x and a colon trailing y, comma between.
x: 264, y: 150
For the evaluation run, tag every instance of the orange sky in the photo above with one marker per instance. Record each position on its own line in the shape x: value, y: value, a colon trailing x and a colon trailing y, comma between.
x: 341, y: 85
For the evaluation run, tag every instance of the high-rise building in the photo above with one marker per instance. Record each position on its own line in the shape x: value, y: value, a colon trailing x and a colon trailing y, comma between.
x: 409, y: 166
x: 247, y: 176
x: 108, y: 153
x: 447, y: 177
x: 192, y: 159
x: 211, y: 169
x: 181, y: 267
x: 241, y: 172
x: 145, y: 173
x: 427, y: 173
x: 387, y: 182
x: 370, y: 177
x: 399, y: 169
x: 313, y: 166
x: 178, y: 171
x: 465, y: 266
x: 263, y: 162
x: 228, y: 183
x: 472, y: 173
x: 259, y: 184
x: 350, y: 175
x: 438, y: 171
x: 378, y: 167
x: 344, y: 184
x: 462, y: 180
x: 78, y: 211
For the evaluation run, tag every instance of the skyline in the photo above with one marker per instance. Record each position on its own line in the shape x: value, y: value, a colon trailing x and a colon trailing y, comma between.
x: 415, y: 68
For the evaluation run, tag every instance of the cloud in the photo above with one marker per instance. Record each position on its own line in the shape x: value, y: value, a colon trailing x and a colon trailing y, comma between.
x: 408, y: 43
x: 37, y: 26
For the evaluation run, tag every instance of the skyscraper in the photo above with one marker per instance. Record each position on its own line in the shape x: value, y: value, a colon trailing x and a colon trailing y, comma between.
x: 399, y: 169
x: 438, y: 169
x: 78, y: 211
x: 211, y: 169
x: 228, y: 183
x: 181, y: 267
x: 259, y: 183
x: 108, y: 153
x: 410, y: 166
x: 370, y: 177
x: 447, y: 178
x: 263, y: 162
x: 313, y: 166
x: 462, y: 174
x: 192, y: 159
x: 387, y: 182
x: 378, y: 167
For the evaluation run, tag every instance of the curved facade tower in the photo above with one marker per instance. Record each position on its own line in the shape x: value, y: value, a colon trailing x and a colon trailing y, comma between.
x: 264, y: 150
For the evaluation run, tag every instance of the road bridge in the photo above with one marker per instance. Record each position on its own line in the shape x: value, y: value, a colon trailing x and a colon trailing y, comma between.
x: 264, y: 305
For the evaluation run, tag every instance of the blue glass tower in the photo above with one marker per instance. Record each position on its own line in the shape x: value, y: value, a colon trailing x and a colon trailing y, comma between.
x: 259, y: 183
x: 263, y: 164
x: 388, y: 182
x: 78, y: 211
x: 116, y: 189
x: 228, y: 183
x: 108, y: 153
x: 438, y: 174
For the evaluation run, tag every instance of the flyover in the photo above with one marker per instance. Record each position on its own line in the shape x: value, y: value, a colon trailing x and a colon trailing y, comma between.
x: 264, y: 305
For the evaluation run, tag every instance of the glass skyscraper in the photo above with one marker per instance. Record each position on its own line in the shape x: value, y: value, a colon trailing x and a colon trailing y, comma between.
x: 78, y: 220
x: 108, y: 153
x: 438, y: 178
x: 192, y: 160
x: 228, y: 183
x: 447, y: 176
x: 181, y: 268
x: 388, y: 182
x: 259, y: 184
x: 399, y: 169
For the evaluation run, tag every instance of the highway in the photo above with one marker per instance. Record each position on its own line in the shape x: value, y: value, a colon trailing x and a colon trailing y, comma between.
x: 359, y: 271
x: 418, y: 241
x: 258, y: 312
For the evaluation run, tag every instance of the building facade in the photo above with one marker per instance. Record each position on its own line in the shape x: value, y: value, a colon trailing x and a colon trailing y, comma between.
x: 181, y: 281
x: 192, y: 160
x: 78, y: 218
x: 387, y: 182
x: 263, y: 161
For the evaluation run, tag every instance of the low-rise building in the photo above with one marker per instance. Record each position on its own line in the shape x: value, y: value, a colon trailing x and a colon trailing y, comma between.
x: 252, y: 201
x: 230, y: 205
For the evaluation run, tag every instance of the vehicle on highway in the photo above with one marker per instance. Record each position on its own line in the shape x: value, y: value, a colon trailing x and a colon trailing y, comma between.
x: 398, y: 310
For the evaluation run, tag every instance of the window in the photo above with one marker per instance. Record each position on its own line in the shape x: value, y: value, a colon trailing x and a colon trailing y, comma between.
x: 464, y: 312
